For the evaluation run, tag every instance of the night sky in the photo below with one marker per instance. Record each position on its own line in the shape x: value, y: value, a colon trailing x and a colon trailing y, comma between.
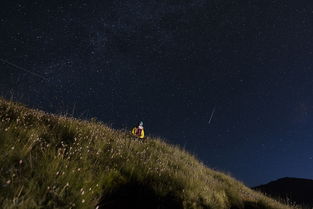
x: 229, y: 81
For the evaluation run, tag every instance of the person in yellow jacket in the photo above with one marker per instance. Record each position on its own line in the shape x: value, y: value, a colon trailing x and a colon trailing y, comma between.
x: 139, y: 131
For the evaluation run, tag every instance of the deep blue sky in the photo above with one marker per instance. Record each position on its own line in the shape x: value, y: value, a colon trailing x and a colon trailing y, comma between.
x: 170, y: 63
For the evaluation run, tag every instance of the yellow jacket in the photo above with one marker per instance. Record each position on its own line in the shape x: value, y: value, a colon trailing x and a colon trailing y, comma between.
x: 140, y: 133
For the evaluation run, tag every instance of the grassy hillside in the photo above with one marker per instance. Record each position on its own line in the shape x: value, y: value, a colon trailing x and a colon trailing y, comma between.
x: 50, y: 161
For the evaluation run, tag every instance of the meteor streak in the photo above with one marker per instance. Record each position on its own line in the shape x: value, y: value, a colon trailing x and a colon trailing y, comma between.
x: 212, y: 115
x: 21, y: 68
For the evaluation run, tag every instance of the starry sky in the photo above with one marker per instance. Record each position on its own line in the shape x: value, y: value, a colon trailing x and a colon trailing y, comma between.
x: 229, y: 81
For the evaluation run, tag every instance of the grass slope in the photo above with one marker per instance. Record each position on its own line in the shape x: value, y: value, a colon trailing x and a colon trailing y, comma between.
x: 50, y: 161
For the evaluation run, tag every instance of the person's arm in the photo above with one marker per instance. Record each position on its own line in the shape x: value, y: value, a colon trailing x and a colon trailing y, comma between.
x: 142, y: 134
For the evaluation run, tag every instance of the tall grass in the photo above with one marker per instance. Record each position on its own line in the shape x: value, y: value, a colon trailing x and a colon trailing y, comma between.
x: 50, y: 161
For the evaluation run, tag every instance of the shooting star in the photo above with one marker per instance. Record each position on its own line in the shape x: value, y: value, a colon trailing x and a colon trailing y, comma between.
x: 213, y: 111
x: 23, y: 69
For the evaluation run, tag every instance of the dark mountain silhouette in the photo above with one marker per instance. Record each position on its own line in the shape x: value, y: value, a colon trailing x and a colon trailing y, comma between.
x: 293, y: 190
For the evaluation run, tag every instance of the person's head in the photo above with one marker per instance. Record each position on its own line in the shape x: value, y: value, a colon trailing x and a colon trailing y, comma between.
x: 140, y: 124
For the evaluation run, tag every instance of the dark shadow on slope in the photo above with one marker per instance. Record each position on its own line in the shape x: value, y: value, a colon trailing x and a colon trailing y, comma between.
x: 252, y: 205
x: 136, y: 196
